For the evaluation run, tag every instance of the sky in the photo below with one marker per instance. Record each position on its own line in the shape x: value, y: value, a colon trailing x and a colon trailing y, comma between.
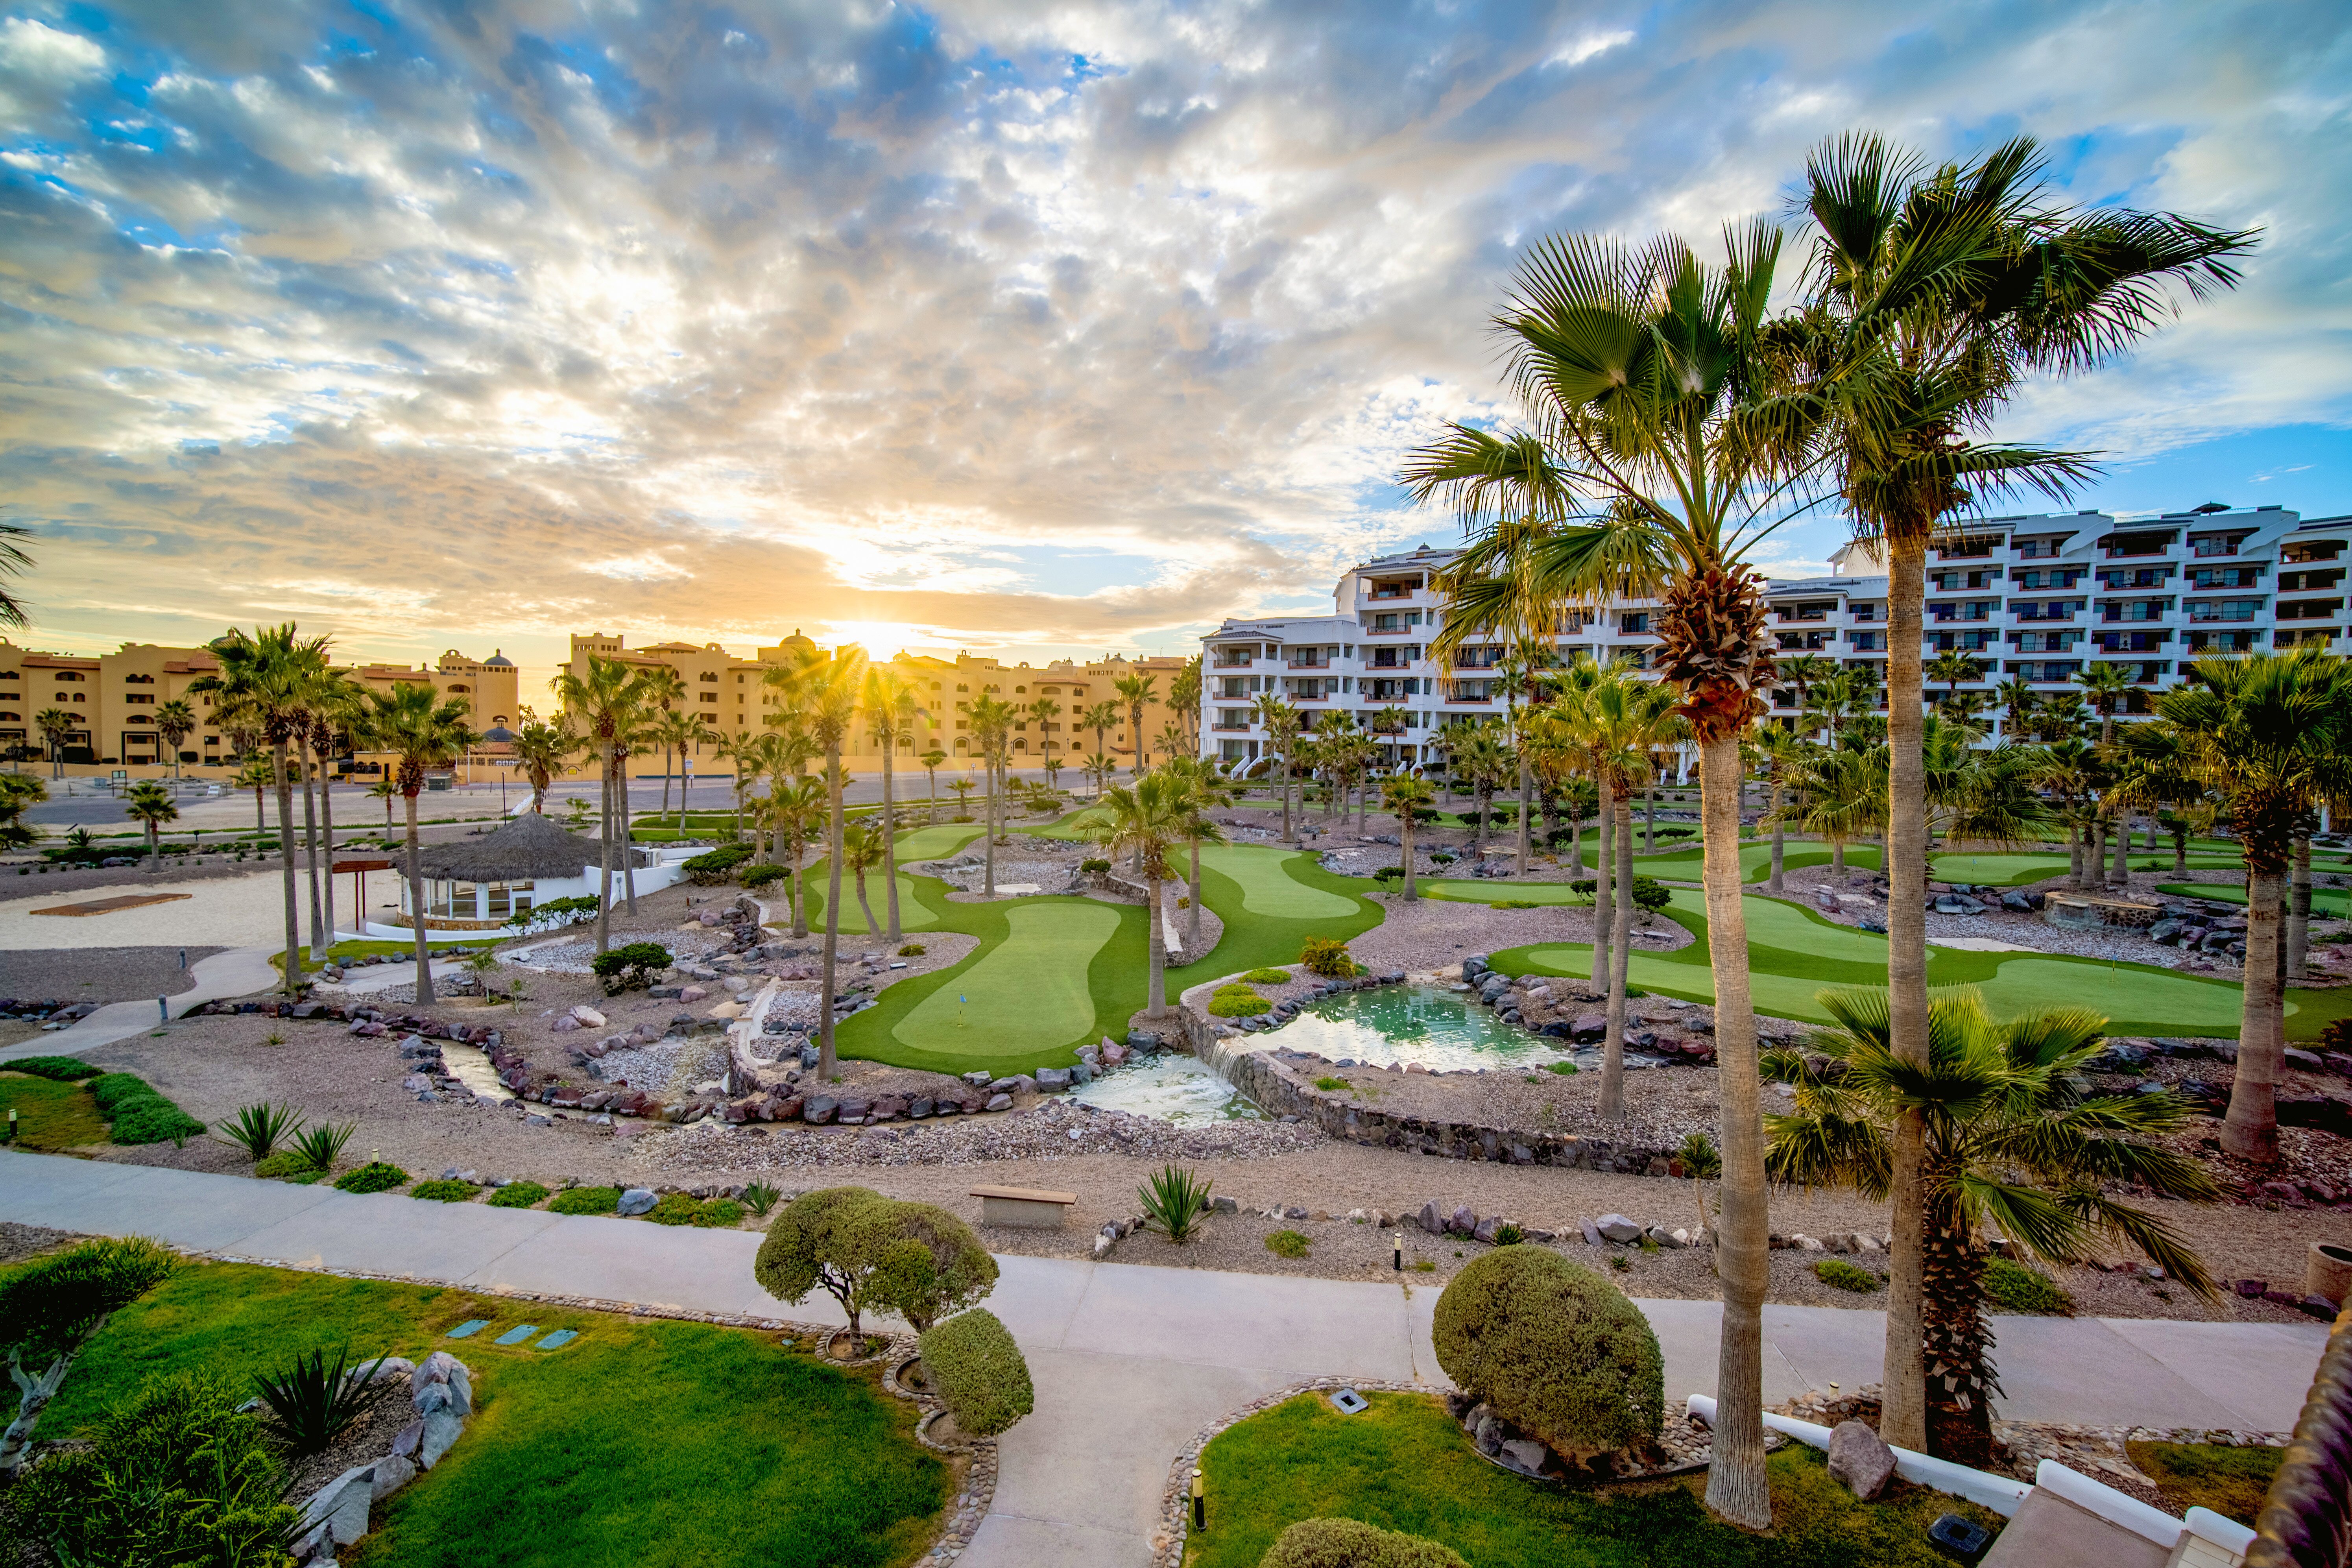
x: 1038, y: 329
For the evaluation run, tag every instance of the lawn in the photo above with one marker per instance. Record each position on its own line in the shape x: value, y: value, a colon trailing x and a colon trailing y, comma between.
x: 1684, y: 865
x: 1405, y: 1465
x: 1032, y: 986
x: 1272, y: 900
x: 589, y: 1455
x: 2231, y: 1481
x: 50, y: 1115
x: 2324, y: 900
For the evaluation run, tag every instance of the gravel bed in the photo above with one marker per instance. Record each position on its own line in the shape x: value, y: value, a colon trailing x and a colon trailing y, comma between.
x: 18, y: 1242
x: 98, y: 974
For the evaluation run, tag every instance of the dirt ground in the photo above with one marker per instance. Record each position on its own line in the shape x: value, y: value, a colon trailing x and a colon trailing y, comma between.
x: 98, y: 973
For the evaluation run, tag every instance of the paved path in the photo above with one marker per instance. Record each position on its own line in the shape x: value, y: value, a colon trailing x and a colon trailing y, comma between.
x: 241, y: 972
x: 1129, y: 1360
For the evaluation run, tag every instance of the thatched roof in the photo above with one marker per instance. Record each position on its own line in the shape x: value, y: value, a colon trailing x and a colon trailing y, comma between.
x: 526, y: 849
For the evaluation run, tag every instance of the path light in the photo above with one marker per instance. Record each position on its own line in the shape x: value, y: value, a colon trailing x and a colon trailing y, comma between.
x: 1399, y: 1261
x: 12, y: 1138
x: 1200, y: 1495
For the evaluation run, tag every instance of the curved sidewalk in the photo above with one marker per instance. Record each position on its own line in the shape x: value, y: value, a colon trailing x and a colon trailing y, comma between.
x: 1130, y: 1360
x: 241, y: 972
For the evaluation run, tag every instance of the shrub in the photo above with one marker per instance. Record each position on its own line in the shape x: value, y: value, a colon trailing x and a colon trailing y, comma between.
x: 1556, y: 1350
x: 285, y: 1163
x: 175, y: 1474
x: 631, y: 967
x: 1174, y: 1201
x: 1268, y: 977
x: 1094, y: 865
x: 323, y: 1145
x: 1242, y: 1004
x: 709, y: 869
x: 674, y: 1209
x: 1837, y: 1271
x: 1326, y: 956
x: 1650, y: 895
x: 1565, y: 1069
x: 2336, y: 1037
x: 1509, y: 1235
x: 973, y: 1360
x: 445, y: 1192
x: 868, y: 1251
x: 760, y: 1197
x: 1512, y: 904
x: 586, y: 1200
x: 1388, y: 874
x: 256, y: 1128
x: 48, y: 1306
x: 153, y: 1120
x: 1351, y: 1543
x: 1288, y: 1244
x: 756, y: 877
x: 2013, y: 1287
x: 913, y: 949
x: 375, y: 1176
x: 719, y: 1213
x: 1333, y: 1085
x: 519, y: 1195
x: 311, y: 1404
x: 65, y: 1070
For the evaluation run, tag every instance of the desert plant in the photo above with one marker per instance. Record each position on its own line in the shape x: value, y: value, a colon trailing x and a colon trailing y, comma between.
x: 1555, y: 1350
x: 1326, y: 956
x: 760, y: 1198
x: 1268, y: 977
x: 1174, y: 1201
x: 519, y: 1195
x: 323, y: 1145
x: 256, y: 1128
x: 1837, y: 1271
x: 1237, y: 1002
x: 311, y: 1403
x: 2014, y: 1287
x: 1351, y: 1543
x: 445, y: 1192
x: 1509, y: 1235
x: 716, y: 866
x: 285, y: 1163
x: 913, y: 949
x: 630, y: 967
x: 50, y: 1307
x: 1288, y: 1244
x: 1702, y: 1162
x: 586, y: 1200
x: 375, y: 1176
x: 979, y: 1371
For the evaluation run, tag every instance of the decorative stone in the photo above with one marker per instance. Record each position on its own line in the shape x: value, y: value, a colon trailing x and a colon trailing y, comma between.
x: 342, y: 1505
x: 442, y: 1430
x: 390, y: 1473
x: 1617, y: 1227
x: 1860, y: 1459
x: 1524, y: 1455
x: 588, y: 1016
x: 636, y: 1201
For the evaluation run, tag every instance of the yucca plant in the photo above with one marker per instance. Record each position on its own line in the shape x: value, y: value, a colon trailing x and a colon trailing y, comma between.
x: 311, y: 1403
x: 323, y: 1145
x: 1174, y: 1201
x: 256, y: 1128
x: 760, y: 1197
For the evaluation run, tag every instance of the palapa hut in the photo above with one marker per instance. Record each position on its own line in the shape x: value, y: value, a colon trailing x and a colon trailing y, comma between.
x: 481, y: 882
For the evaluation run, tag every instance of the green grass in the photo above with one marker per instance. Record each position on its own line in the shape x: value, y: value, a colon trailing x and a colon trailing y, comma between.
x: 2335, y: 901
x: 1288, y: 1244
x: 1267, y: 888
x: 1793, y: 953
x: 806, y: 1465
x: 50, y: 1115
x: 1405, y: 1465
x: 1030, y: 987
x: 2232, y: 1482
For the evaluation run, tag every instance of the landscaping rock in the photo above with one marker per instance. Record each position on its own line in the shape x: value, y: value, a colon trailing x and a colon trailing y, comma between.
x: 390, y: 1474
x: 1053, y: 1080
x: 1617, y: 1227
x: 636, y: 1201
x: 442, y: 1430
x: 1524, y: 1455
x: 1000, y: 1102
x: 1433, y: 1218
x: 1860, y: 1459
x: 342, y: 1505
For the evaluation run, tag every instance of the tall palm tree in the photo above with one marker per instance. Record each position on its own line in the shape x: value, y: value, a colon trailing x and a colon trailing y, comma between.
x: 1485, y: 760
x: 1281, y: 722
x: 991, y: 728
x: 794, y: 812
x: 1137, y: 690
x: 150, y: 804
x: 2010, y: 1144
x: 862, y: 849
x: 1805, y: 672
x: 606, y: 706
x: 1933, y: 291
x: 1633, y: 721
x: 1952, y: 667
x: 1102, y: 717
x: 826, y: 688
x: 174, y: 722
x: 264, y: 683
x: 1184, y: 697
x: 421, y: 733
x: 2017, y: 700
x: 14, y: 562
x: 542, y: 750
x: 678, y: 732
x: 56, y: 727
x: 888, y: 704
x: 336, y: 704
x: 1645, y: 373
x: 932, y: 761
x: 1782, y: 751
x: 2108, y: 686
x: 1144, y: 821
x: 2270, y: 735
x: 1405, y: 794
x: 1204, y: 789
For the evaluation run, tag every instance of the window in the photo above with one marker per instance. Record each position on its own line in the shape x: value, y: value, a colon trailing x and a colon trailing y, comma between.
x: 1020, y: 691
x: 138, y: 680
x: 2309, y: 582
x: 2225, y: 609
x: 711, y: 675
x: 2217, y: 544
x: 2224, y: 576
x: 712, y: 696
x: 69, y: 675
x: 1631, y: 622
x: 2309, y: 551
x: 967, y: 689
x: 2310, y: 610
x: 457, y: 688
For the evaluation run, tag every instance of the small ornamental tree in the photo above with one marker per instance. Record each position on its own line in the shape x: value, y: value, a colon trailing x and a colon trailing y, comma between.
x: 631, y: 967
x: 817, y: 1243
x: 51, y: 1307
x: 1556, y: 1350
x: 1351, y: 1543
x: 931, y: 1264
x: 979, y: 1371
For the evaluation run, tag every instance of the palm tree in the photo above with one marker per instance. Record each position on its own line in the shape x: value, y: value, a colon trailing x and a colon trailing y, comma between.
x: 678, y: 732
x: 336, y: 704
x: 862, y: 849
x: 14, y: 562
x: 1634, y: 720
x: 2017, y: 700
x: 1281, y: 722
x: 1405, y: 794
x: 888, y: 704
x: 421, y: 732
x: 2108, y: 686
x: 1644, y: 375
x: 1935, y: 290
x: 1102, y: 717
x: 992, y: 727
x: 2271, y: 736
x: 264, y: 683
x: 1838, y: 796
x: 826, y: 688
x: 1136, y: 690
x: 56, y: 727
x: 605, y: 706
x: 1053, y: 765
x: 1204, y: 789
x: 2010, y: 1144
x: 1184, y: 697
x: 1805, y: 672
x: 385, y: 789
x: 1952, y: 667
x: 1144, y: 821
x: 542, y: 750
x: 793, y: 812
x: 150, y: 804
x: 932, y: 761
x: 1485, y: 759
x: 174, y: 722
x: 1781, y: 752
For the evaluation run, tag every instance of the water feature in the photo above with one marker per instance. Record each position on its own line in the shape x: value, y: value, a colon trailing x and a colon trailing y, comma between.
x: 1433, y: 1026
x: 1170, y: 1085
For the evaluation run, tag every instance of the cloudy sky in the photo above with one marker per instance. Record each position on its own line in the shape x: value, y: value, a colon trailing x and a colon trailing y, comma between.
x: 1031, y: 327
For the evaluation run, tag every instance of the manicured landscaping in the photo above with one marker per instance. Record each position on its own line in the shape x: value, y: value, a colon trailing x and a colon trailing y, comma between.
x: 2231, y: 1481
x: 1405, y: 1465
x: 579, y: 1456
x: 2335, y: 901
x: 50, y: 1115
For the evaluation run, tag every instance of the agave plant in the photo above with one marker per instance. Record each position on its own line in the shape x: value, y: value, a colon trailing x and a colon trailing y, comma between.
x: 311, y: 1403
x: 1174, y: 1201
x: 760, y: 1197
x: 323, y: 1145
x: 256, y: 1128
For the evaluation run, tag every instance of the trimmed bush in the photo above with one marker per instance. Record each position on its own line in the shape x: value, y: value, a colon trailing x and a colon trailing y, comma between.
x: 519, y: 1196
x: 444, y: 1192
x: 1351, y: 1543
x: 1555, y: 1349
x: 65, y: 1070
x: 587, y: 1200
x: 979, y: 1372
x: 631, y: 967
x: 375, y: 1176
x: 716, y: 866
x: 1326, y: 956
x: 869, y: 1252
x: 1837, y: 1271
x: 1092, y: 867
x: 1650, y: 895
x: 757, y: 877
x: 1240, y: 1003
x: 2014, y: 1287
x: 1268, y: 977
x: 285, y: 1163
x: 136, y: 1113
x: 1388, y: 874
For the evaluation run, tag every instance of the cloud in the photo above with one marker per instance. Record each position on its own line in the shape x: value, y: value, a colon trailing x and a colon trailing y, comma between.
x: 486, y: 323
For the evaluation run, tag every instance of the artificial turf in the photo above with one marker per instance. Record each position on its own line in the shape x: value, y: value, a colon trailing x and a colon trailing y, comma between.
x: 50, y: 1115
x: 1030, y: 986
x: 2324, y: 900
x: 1405, y: 1465
x: 813, y: 1467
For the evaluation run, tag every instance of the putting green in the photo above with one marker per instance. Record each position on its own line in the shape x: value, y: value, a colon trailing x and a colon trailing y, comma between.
x: 2014, y: 870
x: 1479, y: 892
x: 1267, y: 887
x: 1028, y: 991
x: 937, y: 842
x: 914, y: 913
x: 1754, y: 859
x: 2324, y: 900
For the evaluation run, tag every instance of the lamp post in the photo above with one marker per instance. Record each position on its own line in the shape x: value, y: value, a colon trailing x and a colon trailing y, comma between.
x: 498, y: 734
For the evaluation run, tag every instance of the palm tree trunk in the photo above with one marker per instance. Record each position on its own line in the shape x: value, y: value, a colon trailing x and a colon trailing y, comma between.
x: 864, y: 907
x: 1957, y: 1345
x: 988, y: 821
x: 604, y: 848
x: 261, y: 822
x: 1613, y: 1048
x: 293, y: 976
x: 1603, y: 861
x: 2180, y: 851
x: 327, y: 831
x: 2251, y: 1130
x: 1156, y: 1005
x: 1576, y: 844
x: 1286, y: 795
x: 1779, y: 883
x: 1650, y: 816
x: 155, y: 848
x: 624, y: 836
x: 1193, y: 926
x: 2298, y: 912
x: 1903, y: 1417
x: 1406, y: 822
x: 889, y: 844
x: 1837, y: 861
x: 319, y: 938
x: 1526, y: 781
x: 416, y: 909
x: 828, y: 1065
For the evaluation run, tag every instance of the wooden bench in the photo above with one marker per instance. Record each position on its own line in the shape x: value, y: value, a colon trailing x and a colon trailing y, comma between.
x: 1024, y: 1208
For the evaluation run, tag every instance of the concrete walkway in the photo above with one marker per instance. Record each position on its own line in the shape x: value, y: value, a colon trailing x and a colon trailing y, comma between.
x: 1130, y: 1360
x: 241, y: 972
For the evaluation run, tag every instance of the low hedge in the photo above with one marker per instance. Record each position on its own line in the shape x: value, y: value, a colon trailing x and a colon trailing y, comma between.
x: 65, y: 1070
x: 761, y: 876
x: 445, y: 1192
x: 1351, y: 1543
x: 1845, y: 1276
x: 1237, y: 1001
x: 716, y: 866
x: 587, y: 1200
x: 519, y: 1196
x: 1557, y: 1351
x: 375, y: 1176
x: 136, y: 1113
x: 973, y: 1360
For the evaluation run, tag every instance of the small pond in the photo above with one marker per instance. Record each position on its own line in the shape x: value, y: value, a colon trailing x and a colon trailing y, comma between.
x: 1437, y: 1027
x: 1170, y: 1085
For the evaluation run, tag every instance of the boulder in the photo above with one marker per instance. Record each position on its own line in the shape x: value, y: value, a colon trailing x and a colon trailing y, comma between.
x: 1433, y: 1218
x: 636, y: 1201
x: 1589, y: 1026
x: 442, y: 1430
x: 1462, y: 1221
x: 1617, y: 1227
x: 1053, y: 1080
x: 390, y: 1473
x: 588, y: 1016
x: 1860, y: 1460
x: 1524, y: 1455
x: 1000, y: 1102
x: 342, y: 1505
x: 820, y: 1110
x: 567, y: 1025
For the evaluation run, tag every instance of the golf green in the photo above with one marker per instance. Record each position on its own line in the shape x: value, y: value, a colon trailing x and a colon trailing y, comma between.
x: 936, y: 842
x: 1267, y: 888
x: 914, y: 914
x: 1754, y: 859
x: 1477, y: 892
x: 1027, y: 993
x: 2324, y: 900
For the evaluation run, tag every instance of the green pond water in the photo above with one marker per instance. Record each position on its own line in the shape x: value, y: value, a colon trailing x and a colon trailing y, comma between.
x: 1407, y: 1024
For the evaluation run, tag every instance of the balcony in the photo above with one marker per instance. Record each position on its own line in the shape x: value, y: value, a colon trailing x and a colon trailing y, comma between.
x: 2205, y: 615
x: 1307, y: 664
x: 1222, y: 728
x: 1387, y: 593
x: 1221, y: 662
x: 2042, y: 613
x: 1389, y: 631
x: 1945, y: 614
x: 1786, y: 616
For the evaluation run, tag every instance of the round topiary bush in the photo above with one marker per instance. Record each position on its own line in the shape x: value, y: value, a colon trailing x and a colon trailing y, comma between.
x: 1351, y: 1543
x: 1555, y: 1349
x: 973, y: 1360
x: 518, y: 1196
x: 375, y: 1176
